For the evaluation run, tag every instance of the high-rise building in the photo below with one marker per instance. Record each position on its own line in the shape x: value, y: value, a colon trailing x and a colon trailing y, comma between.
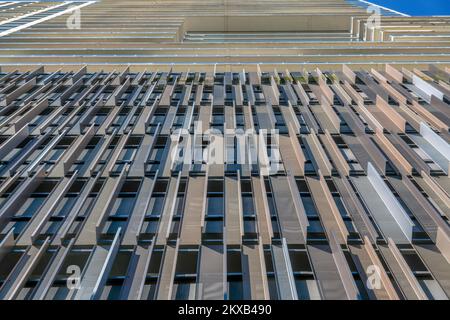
x: 223, y: 149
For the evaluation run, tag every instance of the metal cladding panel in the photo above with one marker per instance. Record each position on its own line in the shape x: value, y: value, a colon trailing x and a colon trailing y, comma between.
x: 205, y: 117
x: 384, y: 207
x: 37, y: 224
x: 74, y: 211
x: 283, y: 272
x: 97, y: 271
x: 365, y: 262
x: 380, y: 212
x: 262, y: 210
x: 435, y: 193
x: 361, y: 144
x: 212, y: 273
x: 412, y: 157
x: 403, y: 274
x: 134, y: 284
x: 248, y: 120
x: 168, y: 122
x: 99, y: 213
x: 167, y: 95
x: 443, y: 182
x: 191, y: 229
x: 168, y: 211
x: 186, y: 95
x: 355, y: 208
x: 327, y: 208
x: 290, y: 94
x: 290, y: 159
x: 326, y: 272
x: 266, y: 118
x: 137, y: 169
x: 230, y: 119
x: 138, y: 213
x: 437, y: 264
x: 17, y: 279
x: 425, y: 213
x: 320, y: 158
x: 326, y: 117
x: 13, y: 203
x: 27, y: 117
x: 233, y: 211
x: 436, y: 118
x: 394, y: 155
x: 427, y: 89
x: 388, y: 116
x: 254, y: 273
x: 270, y: 94
x: 167, y: 273
x: 336, y: 156
x: 437, y: 142
x: 237, y: 91
x: 219, y: 95
x: 362, y: 148
x: 345, y: 273
x: 7, y: 244
x: 290, y: 118
x: 440, y: 159
x: 440, y: 109
x: 309, y: 118
x: 142, y: 122
x: 65, y: 162
x: 46, y: 282
x: 288, y: 215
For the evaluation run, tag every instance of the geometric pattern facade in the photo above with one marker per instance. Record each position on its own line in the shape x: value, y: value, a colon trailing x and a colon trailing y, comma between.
x: 89, y: 185
x: 202, y: 150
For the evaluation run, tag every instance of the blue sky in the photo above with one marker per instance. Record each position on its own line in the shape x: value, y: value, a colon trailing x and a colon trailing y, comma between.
x: 417, y: 7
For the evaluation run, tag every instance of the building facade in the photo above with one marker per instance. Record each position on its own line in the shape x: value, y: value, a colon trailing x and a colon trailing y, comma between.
x: 157, y: 150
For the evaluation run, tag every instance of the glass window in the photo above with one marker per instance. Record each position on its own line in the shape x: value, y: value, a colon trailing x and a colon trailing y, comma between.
x: 215, y: 206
